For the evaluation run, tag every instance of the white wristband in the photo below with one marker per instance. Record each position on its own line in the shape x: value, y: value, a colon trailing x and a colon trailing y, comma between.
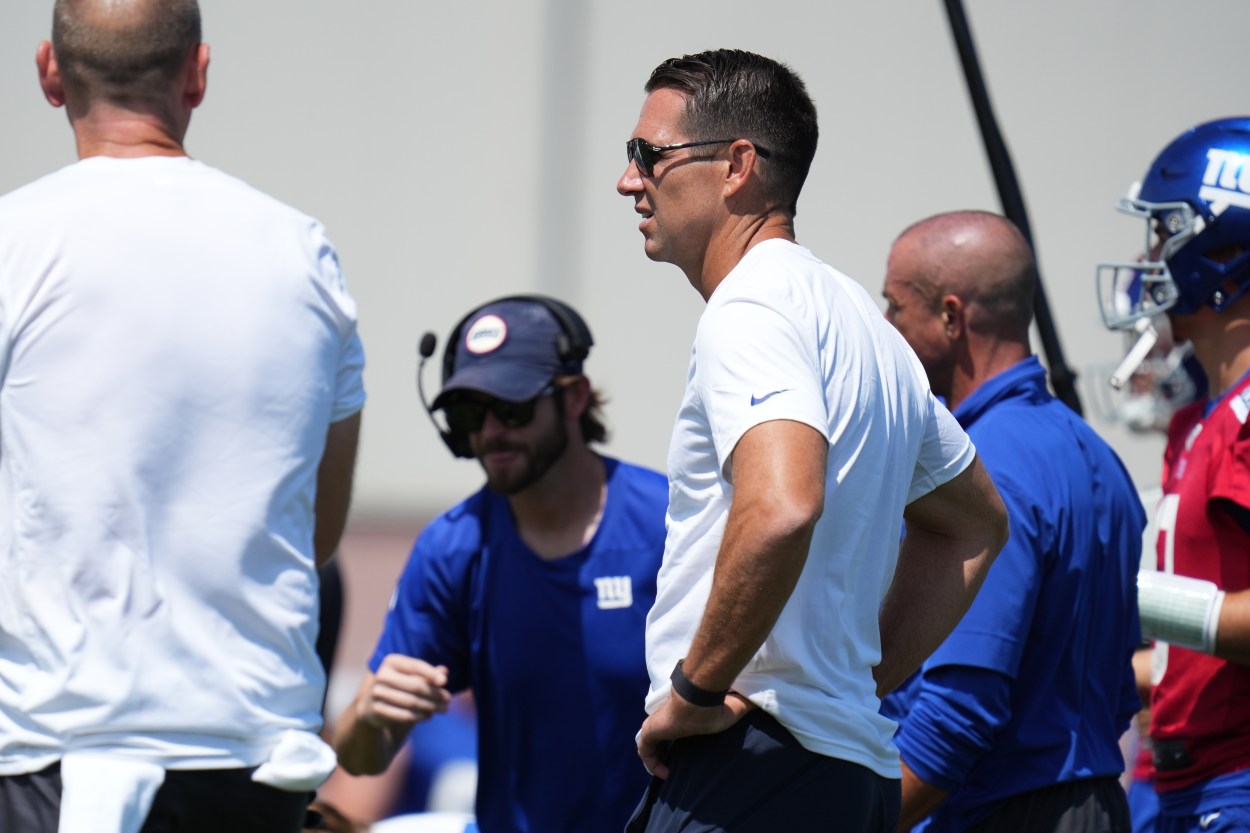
x: 1179, y: 610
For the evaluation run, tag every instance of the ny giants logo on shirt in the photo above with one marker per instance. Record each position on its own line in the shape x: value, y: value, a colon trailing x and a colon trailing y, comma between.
x: 1227, y: 179
x: 615, y: 592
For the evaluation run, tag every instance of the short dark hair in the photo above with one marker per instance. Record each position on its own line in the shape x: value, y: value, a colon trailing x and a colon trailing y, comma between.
x: 731, y: 93
x: 128, y: 58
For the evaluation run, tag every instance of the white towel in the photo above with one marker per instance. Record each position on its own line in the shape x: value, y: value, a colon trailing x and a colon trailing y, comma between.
x: 301, y: 762
x: 103, y: 792
x: 109, y: 793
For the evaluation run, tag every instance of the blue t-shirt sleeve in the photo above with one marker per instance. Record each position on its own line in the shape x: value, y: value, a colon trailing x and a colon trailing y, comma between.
x: 428, y: 615
x: 952, y: 723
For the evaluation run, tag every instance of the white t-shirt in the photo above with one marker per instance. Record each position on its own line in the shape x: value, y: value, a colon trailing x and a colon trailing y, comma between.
x: 173, y: 348
x: 785, y: 336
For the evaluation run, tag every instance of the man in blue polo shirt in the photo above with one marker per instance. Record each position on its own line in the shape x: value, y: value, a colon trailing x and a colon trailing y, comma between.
x: 1013, y: 723
x: 533, y: 592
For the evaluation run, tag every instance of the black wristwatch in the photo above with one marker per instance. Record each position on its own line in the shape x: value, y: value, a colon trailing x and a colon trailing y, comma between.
x: 691, y: 693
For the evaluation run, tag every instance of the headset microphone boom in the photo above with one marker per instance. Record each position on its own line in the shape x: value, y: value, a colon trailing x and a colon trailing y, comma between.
x: 426, y: 348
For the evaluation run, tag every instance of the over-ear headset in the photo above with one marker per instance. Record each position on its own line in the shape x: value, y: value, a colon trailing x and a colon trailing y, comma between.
x: 572, y: 346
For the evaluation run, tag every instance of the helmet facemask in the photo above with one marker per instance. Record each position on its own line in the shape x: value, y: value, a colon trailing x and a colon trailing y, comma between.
x: 1130, y: 292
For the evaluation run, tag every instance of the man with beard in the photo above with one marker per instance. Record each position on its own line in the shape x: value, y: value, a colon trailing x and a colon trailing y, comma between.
x: 533, y: 592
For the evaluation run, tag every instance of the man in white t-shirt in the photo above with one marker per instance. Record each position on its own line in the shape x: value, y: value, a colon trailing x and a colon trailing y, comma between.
x: 180, y: 396
x: 807, y: 435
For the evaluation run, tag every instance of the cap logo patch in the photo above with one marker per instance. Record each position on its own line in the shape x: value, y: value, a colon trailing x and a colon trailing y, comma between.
x: 486, y: 335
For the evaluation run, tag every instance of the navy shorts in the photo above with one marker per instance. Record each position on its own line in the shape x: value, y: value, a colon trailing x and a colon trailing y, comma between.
x: 1094, y: 805
x: 754, y: 777
x: 31, y: 803
x: 193, y: 801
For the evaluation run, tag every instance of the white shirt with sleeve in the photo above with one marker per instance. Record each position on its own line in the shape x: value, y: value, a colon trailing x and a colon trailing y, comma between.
x: 174, y: 346
x: 785, y: 336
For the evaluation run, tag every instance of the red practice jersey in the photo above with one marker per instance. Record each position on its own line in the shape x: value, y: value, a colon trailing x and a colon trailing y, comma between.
x: 1201, y: 700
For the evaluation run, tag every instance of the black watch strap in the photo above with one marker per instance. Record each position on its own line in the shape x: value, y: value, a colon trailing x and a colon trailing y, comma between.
x: 691, y: 693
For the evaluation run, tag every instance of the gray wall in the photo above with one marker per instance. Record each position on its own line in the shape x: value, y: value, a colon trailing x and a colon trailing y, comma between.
x: 458, y: 151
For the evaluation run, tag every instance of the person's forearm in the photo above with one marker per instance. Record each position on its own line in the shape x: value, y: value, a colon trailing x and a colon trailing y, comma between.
x: 920, y: 799
x: 760, y: 560
x: 953, y: 535
x: 779, y: 495
x: 934, y: 584
x: 362, y: 748
x: 1232, y: 640
x: 334, y: 487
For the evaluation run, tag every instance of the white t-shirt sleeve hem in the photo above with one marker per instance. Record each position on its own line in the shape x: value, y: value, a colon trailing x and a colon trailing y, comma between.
x: 945, y: 453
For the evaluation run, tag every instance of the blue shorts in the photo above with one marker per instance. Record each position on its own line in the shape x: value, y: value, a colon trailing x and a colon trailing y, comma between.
x: 754, y: 777
x: 1234, y: 819
x: 1143, y: 805
x: 1220, y: 804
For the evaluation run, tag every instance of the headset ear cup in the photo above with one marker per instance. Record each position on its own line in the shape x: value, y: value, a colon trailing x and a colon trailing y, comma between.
x: 449, y: 350
x: 575, y: 340
x: 458, y: 445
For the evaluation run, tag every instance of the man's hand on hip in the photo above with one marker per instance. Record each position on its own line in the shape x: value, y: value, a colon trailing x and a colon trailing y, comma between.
x: 675, y: 718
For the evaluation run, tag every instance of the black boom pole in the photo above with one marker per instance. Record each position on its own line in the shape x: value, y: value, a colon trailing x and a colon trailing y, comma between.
x: 1061, y: 376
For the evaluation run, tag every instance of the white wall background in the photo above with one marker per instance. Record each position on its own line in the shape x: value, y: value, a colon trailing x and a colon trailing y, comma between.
x: 460, y: 151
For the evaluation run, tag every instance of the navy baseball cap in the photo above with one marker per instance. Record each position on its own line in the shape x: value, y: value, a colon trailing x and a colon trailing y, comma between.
x: 508, y: 349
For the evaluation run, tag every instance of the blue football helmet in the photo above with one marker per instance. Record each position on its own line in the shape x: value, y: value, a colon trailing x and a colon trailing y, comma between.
x: 1195, y: 200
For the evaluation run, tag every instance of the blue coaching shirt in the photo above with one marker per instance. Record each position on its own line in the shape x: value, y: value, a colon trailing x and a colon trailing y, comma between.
x: 1035, y: 685
x: 553, y: 651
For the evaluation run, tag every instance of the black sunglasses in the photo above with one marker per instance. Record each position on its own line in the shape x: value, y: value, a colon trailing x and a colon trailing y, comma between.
x: 466, y: 416
x: 646, y: 154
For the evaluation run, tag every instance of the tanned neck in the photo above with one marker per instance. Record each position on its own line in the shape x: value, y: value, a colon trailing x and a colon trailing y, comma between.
x: 739, y: 238
x: 982, y: 363
x: 561, y: 513
x: 1227, y: 367
x: 106, y: 130
x: 1221, y: 342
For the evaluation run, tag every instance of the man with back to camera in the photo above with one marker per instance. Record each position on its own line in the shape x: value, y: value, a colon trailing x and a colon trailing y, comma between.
x: 533, y: 591
x: 1014, y: 722
x: 1195, y: 199
x: 806, y: 436
x: 180, y: 402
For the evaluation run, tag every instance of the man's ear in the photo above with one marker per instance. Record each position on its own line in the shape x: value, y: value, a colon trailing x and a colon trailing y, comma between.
x: 953, y: 322
x: 196, y: 80
x: 49, y: 74
x: 742, y: 160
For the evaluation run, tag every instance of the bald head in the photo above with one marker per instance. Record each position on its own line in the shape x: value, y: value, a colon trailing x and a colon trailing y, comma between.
x: 959, y: 287
x: 980, y: 257
x: 130, y: 53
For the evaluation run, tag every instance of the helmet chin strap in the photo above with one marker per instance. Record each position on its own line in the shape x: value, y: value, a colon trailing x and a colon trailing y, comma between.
x: 1146, y: 339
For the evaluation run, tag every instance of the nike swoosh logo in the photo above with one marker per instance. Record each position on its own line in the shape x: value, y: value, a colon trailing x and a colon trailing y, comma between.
x: 1205, y: 821
x: 760, y: 399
